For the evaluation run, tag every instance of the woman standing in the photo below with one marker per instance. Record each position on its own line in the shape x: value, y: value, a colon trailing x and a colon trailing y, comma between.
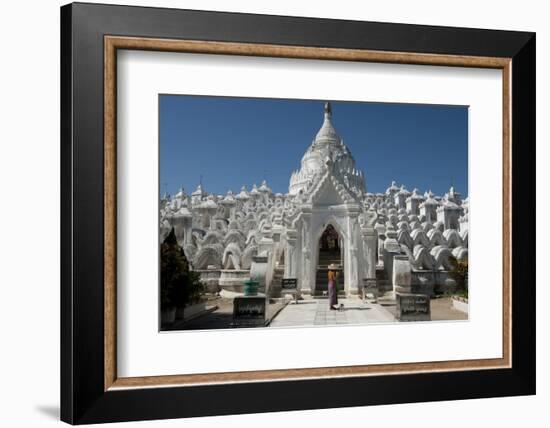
x: 332, y: 289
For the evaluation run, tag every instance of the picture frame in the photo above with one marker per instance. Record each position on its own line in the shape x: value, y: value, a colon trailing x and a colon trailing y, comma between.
x: 91, y: 391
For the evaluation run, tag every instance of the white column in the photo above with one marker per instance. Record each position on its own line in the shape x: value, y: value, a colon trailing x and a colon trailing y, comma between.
x: 351, y: 274
x: 307, y: 280
x: 370, y: 237
x: 290, y: 262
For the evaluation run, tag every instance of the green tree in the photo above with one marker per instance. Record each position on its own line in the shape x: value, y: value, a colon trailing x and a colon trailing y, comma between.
x: 460, y: 274
x: 179, y: 285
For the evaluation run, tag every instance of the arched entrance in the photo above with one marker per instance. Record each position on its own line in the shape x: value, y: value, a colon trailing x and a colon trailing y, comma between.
x: 330, y: 251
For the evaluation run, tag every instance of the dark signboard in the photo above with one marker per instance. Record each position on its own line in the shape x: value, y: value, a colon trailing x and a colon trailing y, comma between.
x: 413, y: 307
x: 289, y: 283
x: 249, y: 311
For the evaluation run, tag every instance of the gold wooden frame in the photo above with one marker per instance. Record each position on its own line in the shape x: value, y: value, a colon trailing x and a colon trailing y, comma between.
x: 113, y: 43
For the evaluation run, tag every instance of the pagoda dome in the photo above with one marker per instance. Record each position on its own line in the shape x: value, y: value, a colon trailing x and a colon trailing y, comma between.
x: 403, y: 191
x: 326, y: 148
x: 254, y: 191
x: 265, y: 188
x: 312, y: 161
x: 416, y: 195
x: 392, y: 189
x: 243, y: 195
x: 430, y: 200
x: 198, y: 191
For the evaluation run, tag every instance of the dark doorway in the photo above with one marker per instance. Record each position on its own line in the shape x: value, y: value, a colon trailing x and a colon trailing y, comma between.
x: 330, y: 252
x: 329, y: 240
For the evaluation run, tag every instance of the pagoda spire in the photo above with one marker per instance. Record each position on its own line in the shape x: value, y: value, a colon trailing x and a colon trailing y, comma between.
x: 328, y: 110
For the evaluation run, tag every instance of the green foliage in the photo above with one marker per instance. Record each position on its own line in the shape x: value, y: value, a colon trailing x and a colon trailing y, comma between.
x: 460, y: 274
x: 179, y: 286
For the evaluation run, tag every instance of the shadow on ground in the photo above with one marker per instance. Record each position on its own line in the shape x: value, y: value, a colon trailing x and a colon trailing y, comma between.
x: 51, y: 411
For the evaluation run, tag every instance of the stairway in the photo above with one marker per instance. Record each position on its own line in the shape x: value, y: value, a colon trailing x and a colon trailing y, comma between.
x: 384, y: 284
x: 277, y: 281
x: 321, y: 279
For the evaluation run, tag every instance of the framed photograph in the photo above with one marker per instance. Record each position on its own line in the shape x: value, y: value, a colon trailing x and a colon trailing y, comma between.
x: 272, y: 213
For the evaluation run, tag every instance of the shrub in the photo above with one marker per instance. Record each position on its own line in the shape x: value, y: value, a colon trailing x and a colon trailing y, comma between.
x: 460, y: 274
x: 179, y: 286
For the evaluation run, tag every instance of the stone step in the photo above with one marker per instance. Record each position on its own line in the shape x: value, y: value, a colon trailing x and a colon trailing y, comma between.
x: 381, y: 274
x: 319, y: 293
x: 277, y: 280
x: 324, y: 274
x: 329, y: 256
x: 386, y: 299
x: 325, y: 283
x: 321, y: 281
x: 325, y: 270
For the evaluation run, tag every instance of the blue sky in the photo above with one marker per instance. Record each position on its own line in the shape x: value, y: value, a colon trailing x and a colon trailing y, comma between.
x: 232, y: 142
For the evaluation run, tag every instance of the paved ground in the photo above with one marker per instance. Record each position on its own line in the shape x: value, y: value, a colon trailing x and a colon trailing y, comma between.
x: 442, y: 310
x: 222, y: 317
x: 317, y: 312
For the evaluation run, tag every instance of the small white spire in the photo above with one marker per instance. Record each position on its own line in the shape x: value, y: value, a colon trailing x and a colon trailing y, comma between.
x: 328, y: 110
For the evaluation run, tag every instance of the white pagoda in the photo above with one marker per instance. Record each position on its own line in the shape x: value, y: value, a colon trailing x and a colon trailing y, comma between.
x: 327, y: 217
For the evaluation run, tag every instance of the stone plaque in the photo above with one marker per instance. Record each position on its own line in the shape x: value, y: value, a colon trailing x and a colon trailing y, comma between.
x: 249, y: 311
x: 413, y: 307
x: 289, y: 283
